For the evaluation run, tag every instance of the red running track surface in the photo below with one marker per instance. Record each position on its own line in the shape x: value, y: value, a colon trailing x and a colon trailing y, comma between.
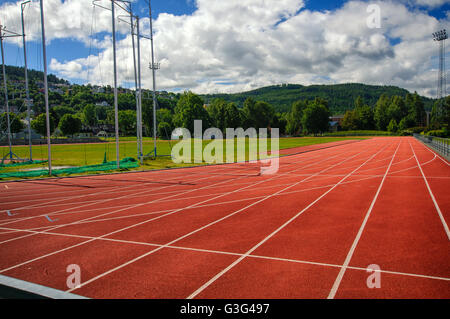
x: 309, y: 231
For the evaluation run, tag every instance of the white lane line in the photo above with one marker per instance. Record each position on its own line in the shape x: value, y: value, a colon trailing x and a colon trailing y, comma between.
x: 105, y: 214
x: 447, y: 231
x: 119, y: 230
x: 37, y: 289
x: 123, y: 189
x: 289, y: 260
x: 339, y: 277
x: 250, y: 251
x: 134, y: 206
x: 87, y: 203
x: 204, y: 227
x: 430, y: 150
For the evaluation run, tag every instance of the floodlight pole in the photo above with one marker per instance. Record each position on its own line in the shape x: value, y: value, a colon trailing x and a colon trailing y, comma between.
x: 6, y: 94
x: 44, y: 54
x: 116, y: 105
x: 140, y: 89
x: 139, y: 151
x: 27, y: 92
x: 153, y: 67
x: 440, y: 37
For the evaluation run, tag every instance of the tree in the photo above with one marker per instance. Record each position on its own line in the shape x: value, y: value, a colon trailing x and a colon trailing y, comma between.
x: 232, y: 116
x: 89, y: 116
x: 101, y: 112
x: 418, y: 111
x: 216, y: 111
x: 397, y: 109
x: 62, y: 110
x: 294, y: 119
x: 392, y: 127
x: 69, y: 124
x: 350, y: 121
x: 15, y: 123
x: 380, y: 114
x: 263, y: 116
x: 39, y: 124
x: 190, y: 108
x: 127, y: 122
x: 316, y: 118
x: 164, y: 130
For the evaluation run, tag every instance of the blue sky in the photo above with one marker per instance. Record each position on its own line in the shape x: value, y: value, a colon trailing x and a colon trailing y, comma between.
x: 58, y: 47
x: 65, y: 50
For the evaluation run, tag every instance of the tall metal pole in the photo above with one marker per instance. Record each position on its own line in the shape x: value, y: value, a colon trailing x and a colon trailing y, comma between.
x: 6, y: 95
x: 140, y: 88
x: 136, y: 84
x: 44, y: 53
x: 153, y: 67
x: 26, y: 82
x: 440, y: 37
x: 116, y: 105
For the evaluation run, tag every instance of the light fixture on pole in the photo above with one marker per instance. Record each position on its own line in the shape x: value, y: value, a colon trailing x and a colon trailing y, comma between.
x: 440, y: 37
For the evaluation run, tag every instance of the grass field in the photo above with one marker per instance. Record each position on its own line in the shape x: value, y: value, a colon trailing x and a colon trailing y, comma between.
x: 71, y: 155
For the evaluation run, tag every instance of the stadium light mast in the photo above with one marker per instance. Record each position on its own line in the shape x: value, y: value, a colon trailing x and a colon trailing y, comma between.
x: 47, y: 114
x: 116, y: 101
x: 27, y: 91
x: 153, y: 66
x: 440, y: 37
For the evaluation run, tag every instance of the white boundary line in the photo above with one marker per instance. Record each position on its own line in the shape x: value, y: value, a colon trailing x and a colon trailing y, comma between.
x: 250, y: 256
x: 220, y: 274
x: 134, y: 225
x: 447, y: 231
x: 146, y: 203
x: 37, y: 289
x: 200, y: 229
x: 432, y: 151
x: 339, y: 277
x: 113, y: 212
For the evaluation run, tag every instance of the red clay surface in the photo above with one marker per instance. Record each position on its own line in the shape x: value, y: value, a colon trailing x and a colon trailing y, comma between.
x: 308, y: 231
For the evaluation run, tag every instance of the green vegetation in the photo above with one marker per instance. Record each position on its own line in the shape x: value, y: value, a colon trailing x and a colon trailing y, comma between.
x: 68, y: 156
x: 340, y: 96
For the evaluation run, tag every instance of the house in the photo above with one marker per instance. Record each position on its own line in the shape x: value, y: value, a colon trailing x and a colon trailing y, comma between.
x: 334, y: 126
x: 103, y: 103
x: 337, y: 118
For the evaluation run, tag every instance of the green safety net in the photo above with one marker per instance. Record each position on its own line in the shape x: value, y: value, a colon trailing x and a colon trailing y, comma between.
x: 125, y: 163
x: 22, y: 163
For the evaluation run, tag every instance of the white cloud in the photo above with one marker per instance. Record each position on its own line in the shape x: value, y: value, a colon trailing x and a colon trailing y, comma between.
x: 236, y: 45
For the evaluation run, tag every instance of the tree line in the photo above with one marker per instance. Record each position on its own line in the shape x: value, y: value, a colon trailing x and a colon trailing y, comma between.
x: 76, y: 108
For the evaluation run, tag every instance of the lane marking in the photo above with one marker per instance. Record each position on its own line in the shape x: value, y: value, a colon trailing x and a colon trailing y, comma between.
x: 250, y: 256
x: 339, y: 277
x: 447, y: 231
x: 204, y: 227
x: 131, y: 226
x: 113, y: 212
x: 220, y: 274
x: 37, y: 289
x: 137, y: 205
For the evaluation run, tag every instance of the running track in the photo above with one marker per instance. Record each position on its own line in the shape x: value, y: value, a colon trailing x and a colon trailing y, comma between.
x: 309, y: 231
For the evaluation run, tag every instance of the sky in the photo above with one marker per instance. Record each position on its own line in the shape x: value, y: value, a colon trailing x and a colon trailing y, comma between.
x: 212, y: 46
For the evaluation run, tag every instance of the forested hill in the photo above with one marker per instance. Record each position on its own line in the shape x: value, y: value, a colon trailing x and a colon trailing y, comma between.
x: 340, y: 97
x: 14, y: 74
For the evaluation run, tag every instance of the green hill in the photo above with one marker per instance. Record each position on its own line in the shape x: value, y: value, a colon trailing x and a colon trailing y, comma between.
x: 340, y: 97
